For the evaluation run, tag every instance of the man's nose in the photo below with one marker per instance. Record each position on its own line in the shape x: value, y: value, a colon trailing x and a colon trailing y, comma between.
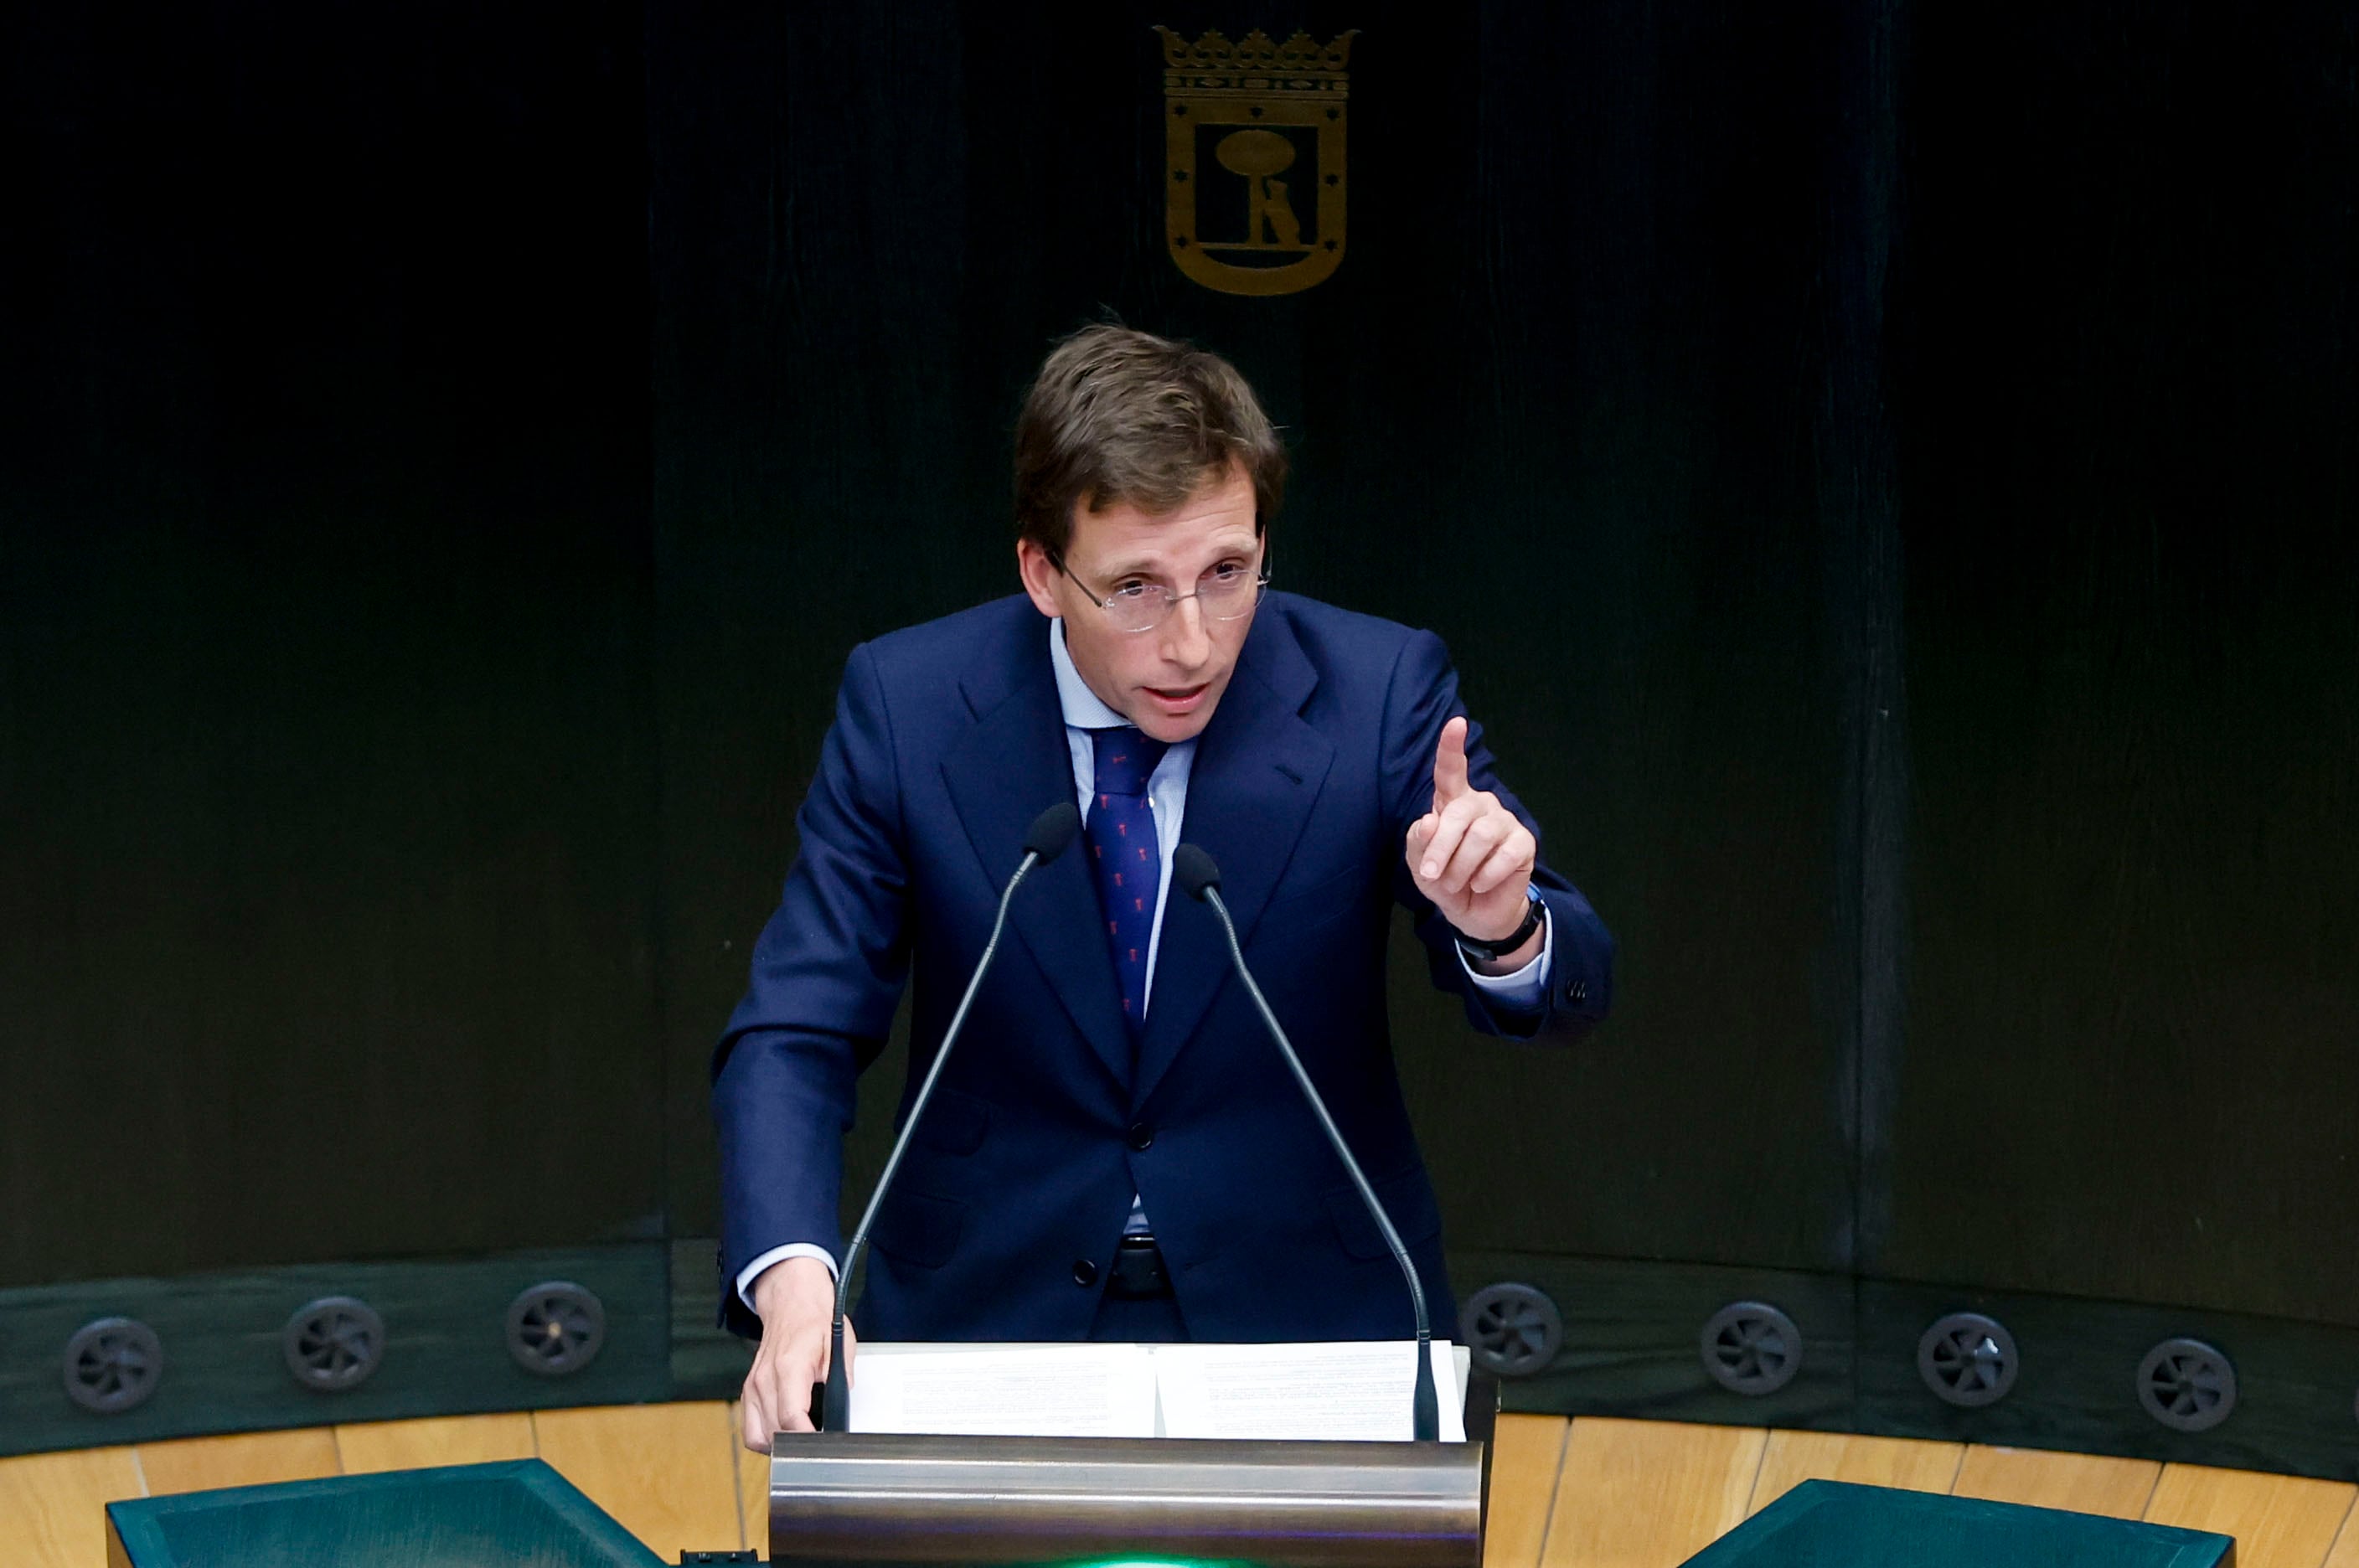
x: 1185, y: 640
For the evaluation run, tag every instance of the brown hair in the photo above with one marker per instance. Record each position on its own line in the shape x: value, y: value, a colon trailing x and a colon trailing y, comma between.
x: 1118, y: 415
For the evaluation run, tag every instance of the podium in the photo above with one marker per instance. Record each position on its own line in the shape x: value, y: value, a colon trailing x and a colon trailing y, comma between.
x: 894, y: 1500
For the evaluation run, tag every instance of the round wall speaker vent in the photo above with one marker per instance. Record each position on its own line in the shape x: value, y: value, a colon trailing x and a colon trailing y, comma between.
x: 1967, y: 1359
x: 1513, y: 1331
x: 1752, y: 1348
x: 333, y: 1343
x: 2186, y: 1385
x: 112, y: 1364
x: 556, y: 1328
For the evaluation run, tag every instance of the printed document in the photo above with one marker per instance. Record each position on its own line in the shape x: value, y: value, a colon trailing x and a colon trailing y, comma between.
x: 1041, y: 1390
x: 1348, y: 1390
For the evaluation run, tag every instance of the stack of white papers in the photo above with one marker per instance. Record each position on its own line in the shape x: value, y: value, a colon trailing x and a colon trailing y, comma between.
x: 1349, y: 1390
x: 1046, y: 1391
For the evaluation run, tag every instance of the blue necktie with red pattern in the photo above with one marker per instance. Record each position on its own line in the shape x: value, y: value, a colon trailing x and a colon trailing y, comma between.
x: 1125, y: 858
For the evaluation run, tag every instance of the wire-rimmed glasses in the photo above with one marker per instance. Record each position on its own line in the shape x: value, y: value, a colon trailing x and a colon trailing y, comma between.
x: 1227, y: 593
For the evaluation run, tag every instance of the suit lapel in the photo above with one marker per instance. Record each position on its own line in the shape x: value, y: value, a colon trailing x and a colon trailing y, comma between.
x: 1012, y: 765
x: 1258, y: 771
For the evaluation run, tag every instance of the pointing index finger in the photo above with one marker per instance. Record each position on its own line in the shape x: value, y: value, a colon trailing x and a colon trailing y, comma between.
x: 1450, y: 764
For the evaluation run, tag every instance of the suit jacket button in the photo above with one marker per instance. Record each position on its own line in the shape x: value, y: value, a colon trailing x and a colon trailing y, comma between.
x: 1085, y: 1273
x: 1142, y: 1137
x: 1577, y: 992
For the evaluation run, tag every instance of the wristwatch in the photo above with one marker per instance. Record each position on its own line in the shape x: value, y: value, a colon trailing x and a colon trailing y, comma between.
x: 1492, y: 952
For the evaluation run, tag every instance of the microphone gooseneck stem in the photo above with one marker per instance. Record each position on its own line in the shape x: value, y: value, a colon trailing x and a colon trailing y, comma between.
x: 839, y: 1382
x: 1426, y: 1411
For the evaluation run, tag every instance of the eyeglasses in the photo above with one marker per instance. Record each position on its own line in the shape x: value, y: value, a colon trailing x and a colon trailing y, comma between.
x: 1227, y: 593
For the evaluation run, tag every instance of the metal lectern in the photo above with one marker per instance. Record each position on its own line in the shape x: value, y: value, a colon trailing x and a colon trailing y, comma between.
x: 883, y: 1500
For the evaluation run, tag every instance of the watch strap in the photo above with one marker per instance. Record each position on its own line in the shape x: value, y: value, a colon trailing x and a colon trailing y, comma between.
x: 1492, y: 952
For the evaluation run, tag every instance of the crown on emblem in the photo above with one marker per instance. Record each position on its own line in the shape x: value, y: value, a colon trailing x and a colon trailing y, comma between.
x: 1256, y: 64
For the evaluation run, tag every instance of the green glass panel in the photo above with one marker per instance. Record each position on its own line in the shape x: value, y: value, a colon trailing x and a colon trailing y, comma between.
x: 518, y: 1512
x: 1833, y: 1524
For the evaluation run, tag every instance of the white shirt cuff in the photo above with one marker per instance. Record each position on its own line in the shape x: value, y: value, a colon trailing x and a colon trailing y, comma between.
x: 1524, y: 990
x: 756, y: 1269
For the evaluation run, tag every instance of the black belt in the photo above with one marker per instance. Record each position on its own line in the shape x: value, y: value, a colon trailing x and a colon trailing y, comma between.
x: 1138, y: 1271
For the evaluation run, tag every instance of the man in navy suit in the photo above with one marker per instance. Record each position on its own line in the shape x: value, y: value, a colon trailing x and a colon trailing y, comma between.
x: 1116, y: 1150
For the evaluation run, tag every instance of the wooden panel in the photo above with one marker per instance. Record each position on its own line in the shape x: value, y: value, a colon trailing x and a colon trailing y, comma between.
x: 665, y: 1471
x: 1791, y: 1458
x: 1647, y: 1494
x: 2279, y: 1521
x: 439, y: 1439
x: 51, y: 1503
x: 753, y: 1487
x: 241, y: 1459
x: 2082, y: 1483
x: 1525, y: 1455
x: 2346, y: 1546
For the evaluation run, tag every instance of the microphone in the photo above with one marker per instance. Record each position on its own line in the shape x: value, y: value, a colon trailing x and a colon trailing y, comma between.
x: 1045, y: 840
x: 1199, y: 879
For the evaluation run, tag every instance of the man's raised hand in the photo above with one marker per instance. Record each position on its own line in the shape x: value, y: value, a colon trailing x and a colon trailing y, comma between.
x: 796, y: 1300
x: 1469, y: 854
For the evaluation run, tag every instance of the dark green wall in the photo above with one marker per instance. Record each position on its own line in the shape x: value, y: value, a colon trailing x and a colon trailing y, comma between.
x: 2132, y: 476
x: 327, y: 761
x: 1888, y: 477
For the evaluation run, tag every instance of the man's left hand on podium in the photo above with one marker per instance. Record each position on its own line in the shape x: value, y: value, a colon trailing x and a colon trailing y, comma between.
x: 796, y: 1302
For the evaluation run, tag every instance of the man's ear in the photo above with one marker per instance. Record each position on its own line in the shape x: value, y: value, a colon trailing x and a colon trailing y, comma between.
x: 1039, y: 576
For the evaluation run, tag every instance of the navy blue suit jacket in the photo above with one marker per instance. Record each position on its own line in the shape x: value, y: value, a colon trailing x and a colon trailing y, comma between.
x: 948, y: 740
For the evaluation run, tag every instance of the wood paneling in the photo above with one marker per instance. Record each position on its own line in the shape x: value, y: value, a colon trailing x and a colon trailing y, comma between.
x: 2346, y: 1545
x: 666, y: 1472
x: 1791, y: 1458
x: 241, y: 1459
x: 439, y: 1439
x: 1525, y: 1455
x: 2082, y: 1483
x: 2279, y: 1521
x: 1647, y: 1494
x: 753, y: 1487
x: 1595, y: 1493
x: 50, y: 1505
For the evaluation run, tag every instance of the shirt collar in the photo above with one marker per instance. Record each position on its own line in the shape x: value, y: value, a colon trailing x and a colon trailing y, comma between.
x: 1083, y: 709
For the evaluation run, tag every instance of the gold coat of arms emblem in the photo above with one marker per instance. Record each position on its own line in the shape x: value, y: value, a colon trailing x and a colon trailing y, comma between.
x: 1253, y: 155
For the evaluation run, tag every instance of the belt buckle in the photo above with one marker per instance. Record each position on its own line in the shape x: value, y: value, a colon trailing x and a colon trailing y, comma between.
x: 1138, y: 1270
